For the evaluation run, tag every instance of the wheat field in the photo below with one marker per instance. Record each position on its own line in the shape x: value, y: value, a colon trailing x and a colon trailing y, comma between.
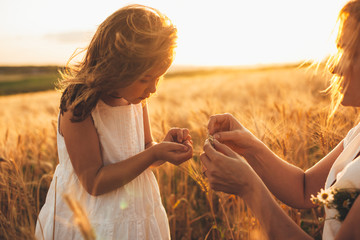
x: 283, y: 106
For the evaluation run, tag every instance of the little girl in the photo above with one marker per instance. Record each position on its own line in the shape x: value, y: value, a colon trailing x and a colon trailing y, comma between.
x: 104, y: 138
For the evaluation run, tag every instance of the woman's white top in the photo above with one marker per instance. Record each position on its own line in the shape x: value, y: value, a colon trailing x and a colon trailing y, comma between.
x: 346, y: 172
x: 133, y: 211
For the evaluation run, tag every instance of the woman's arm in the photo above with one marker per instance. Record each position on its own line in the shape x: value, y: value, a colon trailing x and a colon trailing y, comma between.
x: 83, y: 146
x: 275, y: 222
x: 228, y: 172
x: 287, y: 182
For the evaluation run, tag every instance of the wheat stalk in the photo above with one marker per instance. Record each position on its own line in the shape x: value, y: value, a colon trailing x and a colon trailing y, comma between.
x: 81, y: 219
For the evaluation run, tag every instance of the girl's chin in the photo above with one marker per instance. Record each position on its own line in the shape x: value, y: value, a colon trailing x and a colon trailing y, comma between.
x: 135, y: 101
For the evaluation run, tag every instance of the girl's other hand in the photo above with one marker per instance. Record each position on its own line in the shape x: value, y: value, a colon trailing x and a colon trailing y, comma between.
x: 228, y: 130
x: 172, y: 152
x: 178, y: 135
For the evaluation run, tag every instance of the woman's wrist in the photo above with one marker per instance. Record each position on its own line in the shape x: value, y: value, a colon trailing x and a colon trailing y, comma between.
x: 254, y: 189
x: 255, y: 150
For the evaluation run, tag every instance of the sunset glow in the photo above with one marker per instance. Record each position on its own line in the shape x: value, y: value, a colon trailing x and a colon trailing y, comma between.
x: 210, y: 32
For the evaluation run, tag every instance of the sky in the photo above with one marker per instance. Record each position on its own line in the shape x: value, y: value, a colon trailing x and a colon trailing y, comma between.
x: 211, y: 32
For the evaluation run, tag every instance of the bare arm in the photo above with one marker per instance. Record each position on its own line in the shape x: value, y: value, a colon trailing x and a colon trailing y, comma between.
x: 147, y: 129
x: 228, y: 172
x: 287, y: 182
x: 148, y: 135
x: 274, y: 221
x: 83, y: 146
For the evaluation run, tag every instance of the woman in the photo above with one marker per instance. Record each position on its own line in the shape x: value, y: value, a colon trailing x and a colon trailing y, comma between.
x: 239, y: 163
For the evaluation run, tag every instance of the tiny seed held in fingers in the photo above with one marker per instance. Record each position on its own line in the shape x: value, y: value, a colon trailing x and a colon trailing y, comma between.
x: 211, y: 139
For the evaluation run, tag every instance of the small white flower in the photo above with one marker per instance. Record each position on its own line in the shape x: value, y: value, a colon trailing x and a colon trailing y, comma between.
x: 325, y: 196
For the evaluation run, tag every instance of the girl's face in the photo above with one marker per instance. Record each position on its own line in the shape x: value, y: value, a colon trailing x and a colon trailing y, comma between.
x: 349, y: 65
x: 141, y: 88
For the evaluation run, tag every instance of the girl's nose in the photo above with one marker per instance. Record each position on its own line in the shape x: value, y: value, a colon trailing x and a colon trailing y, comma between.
x: 152, y: 88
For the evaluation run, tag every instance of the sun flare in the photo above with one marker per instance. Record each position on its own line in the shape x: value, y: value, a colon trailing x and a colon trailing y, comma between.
x: 210, y: 32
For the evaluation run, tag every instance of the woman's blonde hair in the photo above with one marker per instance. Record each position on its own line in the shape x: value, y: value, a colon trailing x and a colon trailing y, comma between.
x: 129, y: 43
x: 341, y: 61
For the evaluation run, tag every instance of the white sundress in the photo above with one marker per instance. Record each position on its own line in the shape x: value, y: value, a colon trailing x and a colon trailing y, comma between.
x: 133, y: 211
x: 346, y: 172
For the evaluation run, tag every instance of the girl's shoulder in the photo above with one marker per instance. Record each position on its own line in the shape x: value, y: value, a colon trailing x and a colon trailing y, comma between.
x: 102, y: 107
x: 104, y: 112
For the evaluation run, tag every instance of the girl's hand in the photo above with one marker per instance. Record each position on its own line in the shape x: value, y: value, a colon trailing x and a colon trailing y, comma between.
x: 228, y: 130
x: 175, y: 153
x: 226, y: 170
x: 178, y: 135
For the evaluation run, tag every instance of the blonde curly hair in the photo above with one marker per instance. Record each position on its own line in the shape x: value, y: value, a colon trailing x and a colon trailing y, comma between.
x: 128, y: 44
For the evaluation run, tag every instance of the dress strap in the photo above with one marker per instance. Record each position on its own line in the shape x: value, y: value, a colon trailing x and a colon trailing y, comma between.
x: 58, y: 124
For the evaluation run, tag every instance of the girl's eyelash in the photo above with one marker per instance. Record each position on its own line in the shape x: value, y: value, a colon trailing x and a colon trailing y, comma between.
x: 147, y: 80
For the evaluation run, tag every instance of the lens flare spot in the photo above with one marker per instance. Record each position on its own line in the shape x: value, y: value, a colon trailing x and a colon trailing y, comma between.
x: 123, y: 204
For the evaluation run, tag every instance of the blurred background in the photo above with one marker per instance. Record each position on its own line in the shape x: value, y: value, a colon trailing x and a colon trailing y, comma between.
x: 211, y: 33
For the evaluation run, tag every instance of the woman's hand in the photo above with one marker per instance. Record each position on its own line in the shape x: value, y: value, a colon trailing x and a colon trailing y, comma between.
x: 226, y: 129
x: 175, y: 153
x: 226, y: 170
